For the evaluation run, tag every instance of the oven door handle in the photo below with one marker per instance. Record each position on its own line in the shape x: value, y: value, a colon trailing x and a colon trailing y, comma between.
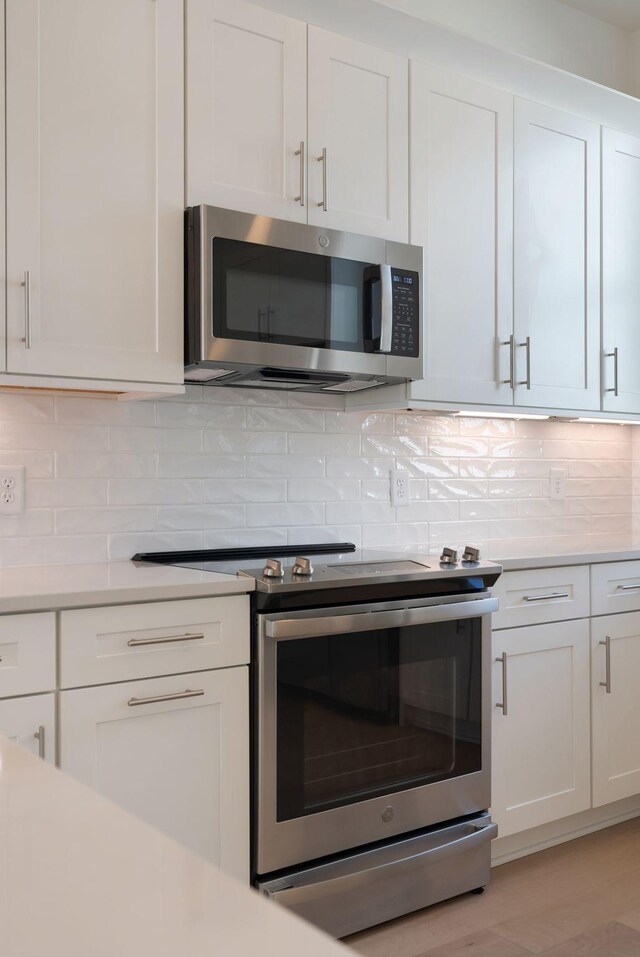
x: 293, y: 896
x: 283, y: 629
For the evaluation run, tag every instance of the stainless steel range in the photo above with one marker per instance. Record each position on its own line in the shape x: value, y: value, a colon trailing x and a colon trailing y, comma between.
x: 371, y: 749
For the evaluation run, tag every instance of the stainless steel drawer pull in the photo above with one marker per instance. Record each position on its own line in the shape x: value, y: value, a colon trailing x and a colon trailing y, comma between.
x: 26, y: 284
x: 553, y: 594
x: 502, y: 660
x: 303, y: 166
x: 154, y: 699
x: 39, y: 735
x: 607, y: 659
x: 325, y: 180
x: 629, y: 587
x: 613, y: 355
x: 511, y: 381
x: 136, y: 642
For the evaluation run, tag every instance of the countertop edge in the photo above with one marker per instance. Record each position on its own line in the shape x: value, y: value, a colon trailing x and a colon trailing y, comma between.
x: 559, y: 561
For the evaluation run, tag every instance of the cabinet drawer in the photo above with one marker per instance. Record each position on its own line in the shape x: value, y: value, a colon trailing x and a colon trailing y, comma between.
x: 542, y: 594
x: 615, y: 587
x: 123, y: 642
x: 27, y: 653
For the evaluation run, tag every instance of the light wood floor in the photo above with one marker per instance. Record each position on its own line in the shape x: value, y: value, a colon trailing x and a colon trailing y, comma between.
x: 580, y: 899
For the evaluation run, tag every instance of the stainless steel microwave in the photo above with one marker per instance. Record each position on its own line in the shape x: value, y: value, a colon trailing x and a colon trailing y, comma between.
x: 283, y: 305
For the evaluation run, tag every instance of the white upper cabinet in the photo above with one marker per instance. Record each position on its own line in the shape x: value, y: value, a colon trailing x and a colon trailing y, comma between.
x: 358, y: 137
x: 556, y: 258
x: 246, y: 108
x: 95, y: 188
x: 462, y: 213
x: 620, y: 272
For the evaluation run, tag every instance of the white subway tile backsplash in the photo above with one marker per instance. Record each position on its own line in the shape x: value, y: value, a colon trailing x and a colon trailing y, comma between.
x: 291, y: 420
x: 325, y: 490
x: 154, y: 491
x: 193, y: 415
x: 139, y: 439
x: 287, y: 513
x: 260, y: 443
x: 79, y: 521
x: 285, y: 466
x: 304, y: 443
x: 200, y: 466
x: 245, y: 490
x: 104, y: 465
x: 222, y: 467
x: 199, y: 517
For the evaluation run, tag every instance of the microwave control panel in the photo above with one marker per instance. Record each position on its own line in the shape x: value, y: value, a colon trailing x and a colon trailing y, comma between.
x: 405, y: 337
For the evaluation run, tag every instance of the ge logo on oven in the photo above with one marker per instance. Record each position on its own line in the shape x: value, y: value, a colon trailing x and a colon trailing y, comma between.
x: 387, y: 814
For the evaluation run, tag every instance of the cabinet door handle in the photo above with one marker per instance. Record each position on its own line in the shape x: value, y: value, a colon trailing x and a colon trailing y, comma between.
x: 325, y: 179
x: 39, y: 735
x: 154, y: 699
x: 303, y: 172
x: 511, y: 381
x: 629, y: 587
x: 135, y: 642
x: 553, y: 594
x: 527, y: 345
x: 607, y: 665
x: 613, y: 355
x: 26, y: 284
x: 502, y: 660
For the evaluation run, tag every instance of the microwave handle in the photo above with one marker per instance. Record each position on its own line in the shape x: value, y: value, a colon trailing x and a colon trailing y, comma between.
x: 289, y: 628
x: 386, y: 299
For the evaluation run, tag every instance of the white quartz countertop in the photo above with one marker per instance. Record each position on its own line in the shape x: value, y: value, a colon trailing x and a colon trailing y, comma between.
x: 44, y: 587
x: 79, y: 876
x: 575, y: 558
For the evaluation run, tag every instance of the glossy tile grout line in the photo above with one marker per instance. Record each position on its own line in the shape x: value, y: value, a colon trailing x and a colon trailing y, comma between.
x: 580, y: 898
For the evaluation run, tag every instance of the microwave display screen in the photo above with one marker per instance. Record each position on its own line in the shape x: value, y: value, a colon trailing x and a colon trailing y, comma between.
x: 267, y: 294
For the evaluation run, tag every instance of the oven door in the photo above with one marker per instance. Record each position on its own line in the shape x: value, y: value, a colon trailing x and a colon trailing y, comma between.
x: 372, y: 721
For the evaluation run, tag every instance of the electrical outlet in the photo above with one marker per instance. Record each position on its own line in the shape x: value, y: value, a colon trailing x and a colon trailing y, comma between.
x: 556, y: 483
x: 400, y: 490
x: 11, y: 490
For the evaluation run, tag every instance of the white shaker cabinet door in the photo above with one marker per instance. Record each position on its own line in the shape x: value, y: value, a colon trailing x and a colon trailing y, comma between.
x: 31, y: 723
x: 540, y: 739
x: 358, y: 137
x: 462, y: 214
x: 615, y: 665
x: 620, y: 272
x: 95, y: 188
x: 174, y: 751
x: 246, y: 109
x: 556, y: 258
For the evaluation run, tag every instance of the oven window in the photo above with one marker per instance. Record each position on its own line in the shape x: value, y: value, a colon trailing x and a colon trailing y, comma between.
x: 264, y: 294
x: 366, y: 714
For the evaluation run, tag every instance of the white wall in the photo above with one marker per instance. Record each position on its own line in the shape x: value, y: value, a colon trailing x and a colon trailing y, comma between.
x: 227, y: 467
x: 544, y: 30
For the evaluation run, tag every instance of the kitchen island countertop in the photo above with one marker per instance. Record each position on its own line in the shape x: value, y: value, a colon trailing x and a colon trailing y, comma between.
x: 79, y: 876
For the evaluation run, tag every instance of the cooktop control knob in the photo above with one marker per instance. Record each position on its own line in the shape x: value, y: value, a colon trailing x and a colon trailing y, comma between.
x: 449, y: 556
x: 471, y: 554
x: 302, y: 566
x: 273, y: 568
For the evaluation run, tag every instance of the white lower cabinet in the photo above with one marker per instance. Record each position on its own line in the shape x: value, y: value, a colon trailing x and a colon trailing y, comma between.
x: 541, y: 748
x: 615, y: 666
x: 31, y: 723
x: 172, y: 750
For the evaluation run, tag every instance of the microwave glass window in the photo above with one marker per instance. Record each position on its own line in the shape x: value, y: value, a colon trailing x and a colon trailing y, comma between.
x: 366, y: 714
x: 266, y: 294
